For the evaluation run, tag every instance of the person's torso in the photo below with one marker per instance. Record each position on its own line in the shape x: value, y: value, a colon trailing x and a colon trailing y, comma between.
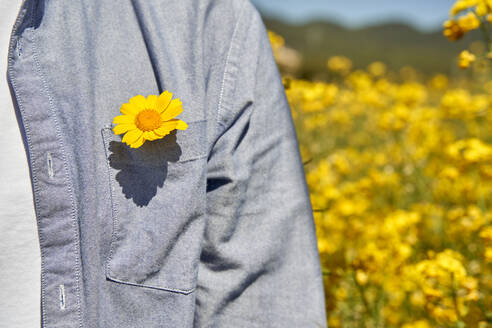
x: 118, y: 225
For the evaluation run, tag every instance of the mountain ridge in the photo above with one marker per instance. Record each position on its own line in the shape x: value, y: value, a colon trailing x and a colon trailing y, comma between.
x: 395, y: 44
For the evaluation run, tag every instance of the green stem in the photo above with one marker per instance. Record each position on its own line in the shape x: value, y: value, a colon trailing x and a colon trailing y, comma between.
x: 455, y: 298
x: 486, y: 33
x: 362, y: 295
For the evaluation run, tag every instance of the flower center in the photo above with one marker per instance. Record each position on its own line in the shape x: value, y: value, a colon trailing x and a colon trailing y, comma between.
x: 148, y: 120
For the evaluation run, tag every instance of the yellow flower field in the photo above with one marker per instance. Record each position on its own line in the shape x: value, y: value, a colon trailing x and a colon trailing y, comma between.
x: 400, y: 177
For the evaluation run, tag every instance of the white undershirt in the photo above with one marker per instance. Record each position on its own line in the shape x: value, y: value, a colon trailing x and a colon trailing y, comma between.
x: 20, y: 255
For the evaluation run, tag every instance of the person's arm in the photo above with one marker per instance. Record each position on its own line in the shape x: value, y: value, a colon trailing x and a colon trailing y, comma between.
x: 260, y: 262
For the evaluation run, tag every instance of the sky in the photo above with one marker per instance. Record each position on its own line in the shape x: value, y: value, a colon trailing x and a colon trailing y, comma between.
x: 426, y: 15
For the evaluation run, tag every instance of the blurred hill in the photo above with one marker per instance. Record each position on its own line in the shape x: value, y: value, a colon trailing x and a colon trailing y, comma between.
x: 395, y: 44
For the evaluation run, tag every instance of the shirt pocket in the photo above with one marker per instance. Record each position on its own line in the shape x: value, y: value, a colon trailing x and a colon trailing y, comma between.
x: 157, y: 202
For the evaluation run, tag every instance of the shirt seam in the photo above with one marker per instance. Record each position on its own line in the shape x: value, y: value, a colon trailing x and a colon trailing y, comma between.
x: 227, y: 73
x: 21, y: 17
x: 67, y: 171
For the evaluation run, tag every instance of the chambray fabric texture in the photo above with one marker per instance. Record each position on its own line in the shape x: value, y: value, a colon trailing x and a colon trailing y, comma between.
x: 207, y: 227
x: 20, y: 255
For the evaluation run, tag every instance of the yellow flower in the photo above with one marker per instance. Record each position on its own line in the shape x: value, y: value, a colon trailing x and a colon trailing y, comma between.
x: 488, y: 254
x: 482, y: 7
x: 148, y: 119
x: 339, y: 64
x: 466, y: 58
x: 468, y: 22
x: 276, y: 40
x: 361, y: 277
x: 461, y: 5
x: 452, y: 30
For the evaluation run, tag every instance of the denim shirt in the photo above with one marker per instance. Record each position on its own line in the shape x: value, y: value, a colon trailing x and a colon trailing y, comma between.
x: 207, y: 227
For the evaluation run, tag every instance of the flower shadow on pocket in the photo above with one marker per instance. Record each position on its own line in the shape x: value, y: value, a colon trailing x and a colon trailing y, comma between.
x: 141, y: 171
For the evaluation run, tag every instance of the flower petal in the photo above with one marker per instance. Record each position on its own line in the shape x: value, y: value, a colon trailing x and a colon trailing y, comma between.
x: 132, y: 136
x: 174, y: 109
x: 165, y: 128
x: 163, y: 101
x: 129, y: 109
x: 122, y: 128
x: 151, y: 101
x: 138, y: 101
x: 124, y: 119
x: 139, y: 142
x: 182, y: 125
x: 150, y: 135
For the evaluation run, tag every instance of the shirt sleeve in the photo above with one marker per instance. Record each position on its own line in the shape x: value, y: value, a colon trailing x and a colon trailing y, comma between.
x: 260, y: 263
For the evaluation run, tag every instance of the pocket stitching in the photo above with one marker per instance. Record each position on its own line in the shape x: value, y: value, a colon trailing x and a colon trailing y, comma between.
x: 115, y: 217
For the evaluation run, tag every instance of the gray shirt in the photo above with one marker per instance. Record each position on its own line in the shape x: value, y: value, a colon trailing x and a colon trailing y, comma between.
x: 207, y: 227
x: 20, y: 256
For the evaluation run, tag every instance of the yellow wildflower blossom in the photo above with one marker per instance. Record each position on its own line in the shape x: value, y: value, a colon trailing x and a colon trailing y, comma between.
x: 470, y: 150
x: 276, y: 40
x: 488, y: 254
x: 468, y: 22
x: 339, y: 64
x: 439, y: 82
x: 377, y: 68
x: 465, y: 59
x: 482, y: 7
x: 148, y: 119
x: 417, y: 324
x: 461, y: 5
x: 452, y: 30
x: 361, y: 277
x: 486, y: 233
